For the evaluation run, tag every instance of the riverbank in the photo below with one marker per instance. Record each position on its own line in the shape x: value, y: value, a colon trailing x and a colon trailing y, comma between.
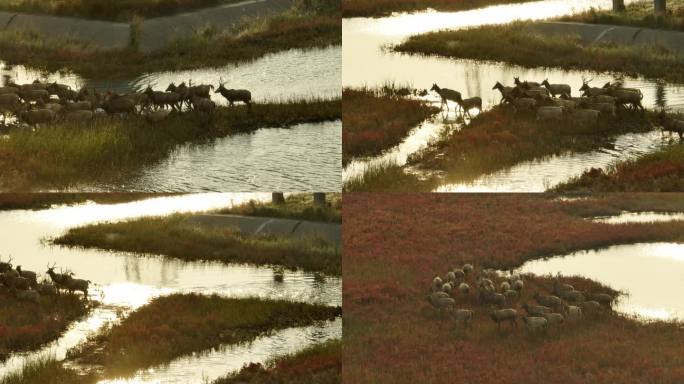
x: 636, y: 14
x: 64, y: 154
x: 380, y: 8
x: 297, y: 206
x: 36, y: 201
x: 26, y: 326
x: 149, y: 336
x: 47, y: 370
x: 378, y: 119
x: 303, y: 26
x: 661, y: 171
x: 517, y: 43
x: 320, y: 364
x: 425, y: 234
x: 179, y: 237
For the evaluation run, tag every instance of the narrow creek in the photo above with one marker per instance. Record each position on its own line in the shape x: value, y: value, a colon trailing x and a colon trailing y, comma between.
x: 367, y: 38
x: 649, y: 274
x: 303, y: 157
x: 125, y: 281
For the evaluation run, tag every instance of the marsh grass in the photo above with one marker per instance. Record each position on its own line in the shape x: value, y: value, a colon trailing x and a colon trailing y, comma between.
x: 46, y: 370
x: 661, y: 171
x: 515, y: 43
x: 177, y: 237
x: 65, y: 154
x: 378, y: 119
x: 297, y: 206
x: 387, y: 176
x: 150, y: 336
x: 636, y: 14
x: 499, y: 138
x: 379, y: 8
x: 26, y: 326
x: 318, y: 364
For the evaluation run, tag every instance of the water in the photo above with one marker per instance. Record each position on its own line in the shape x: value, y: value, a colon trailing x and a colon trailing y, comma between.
x: 639, y: 217
x: 124, y: 281
x: 366, y: 63
x: 305, y: 157
x: 651, y: 275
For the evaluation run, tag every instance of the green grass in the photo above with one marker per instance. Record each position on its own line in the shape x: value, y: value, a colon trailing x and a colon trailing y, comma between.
x: 26, y: 326
x: 638, y: 14
x: 319, y: 364
x: 388, y: 176
x: 180, y: 324
x: 177, y: 237
x: 661, y: 171
x: 46, y: 370
x: 67, y: 154
x: 378, y: 119
x: 119, y: 10
x: 379, y: 8
x: 308, y: 24
x: 297, y: 206
x: 515, y: 43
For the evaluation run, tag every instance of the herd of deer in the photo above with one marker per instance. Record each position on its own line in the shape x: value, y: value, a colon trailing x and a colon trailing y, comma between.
x: 24, y: 284
x: 39, y: 103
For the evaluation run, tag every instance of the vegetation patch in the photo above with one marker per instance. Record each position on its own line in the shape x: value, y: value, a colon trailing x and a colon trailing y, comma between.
x: 308, y: 24
x: 661, y: 171
x: 297, y: 206
x: 151, y: 336
x: 636, y: 14
x: 378, y: 119
x: 396, y: 243
x: 46, y: 370
x: 177, y: 236
x: 26, y: 325
x: 36, y: 201
x: 320, y: 364
x: 66, y: 154
x: 515, y: 43
x: 379, y: 8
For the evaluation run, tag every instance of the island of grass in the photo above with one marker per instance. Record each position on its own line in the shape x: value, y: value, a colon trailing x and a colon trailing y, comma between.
x: 379, y: 8
x: 66, y: 154
x: 636, y: 14
x: 518, y: 43
x: 180, y: 237
x: 308, y: 24
x: 661, y: 171
x: 149, y: 336
x: 496, y: 139
x: 47, y: 370
x: 378, y: 119
x: 423, y: 234
x: 299, y: 206
x: 36, y: 201
x: 319, y: 364
x: 26, y: 326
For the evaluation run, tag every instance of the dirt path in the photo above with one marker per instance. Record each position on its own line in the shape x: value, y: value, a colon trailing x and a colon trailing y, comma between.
x: 154, y: 33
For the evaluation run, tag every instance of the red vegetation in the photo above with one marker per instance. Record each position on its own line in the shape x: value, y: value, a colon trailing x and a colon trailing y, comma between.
x: 395, y: 244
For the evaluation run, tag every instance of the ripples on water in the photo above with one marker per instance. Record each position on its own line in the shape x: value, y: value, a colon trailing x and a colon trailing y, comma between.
x: 366, y: 63
x: 124, y: 281
x: 650, y: 274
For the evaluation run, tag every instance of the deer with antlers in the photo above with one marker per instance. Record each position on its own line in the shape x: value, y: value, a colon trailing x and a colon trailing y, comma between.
x: 233, y: 95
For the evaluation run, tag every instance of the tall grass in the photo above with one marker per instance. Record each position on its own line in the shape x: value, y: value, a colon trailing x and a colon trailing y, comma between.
x: 66, y: 154
x: 319, y: 364
x: 176, y: 236
x: 46, y: 370
x: 297, y: 206
x: 515, y: 43
x: 179, y: 324
x: 378, y: 8
x: 661, y: 171
x: 388, y: 176
x: 636, y: 14
x: 377, y: 119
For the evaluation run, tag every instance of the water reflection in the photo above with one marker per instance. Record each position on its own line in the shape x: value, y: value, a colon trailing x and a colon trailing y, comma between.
x: 639, y: 217
x: 124, y: 281
x: 650, y: 274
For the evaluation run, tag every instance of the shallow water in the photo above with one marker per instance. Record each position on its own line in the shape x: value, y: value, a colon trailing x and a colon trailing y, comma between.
x: 305, y: 157
x: 124, y: 281
x: 366, y: 63
x: 639, y: 217
x: 651, y: 275
x: 541, y: 174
